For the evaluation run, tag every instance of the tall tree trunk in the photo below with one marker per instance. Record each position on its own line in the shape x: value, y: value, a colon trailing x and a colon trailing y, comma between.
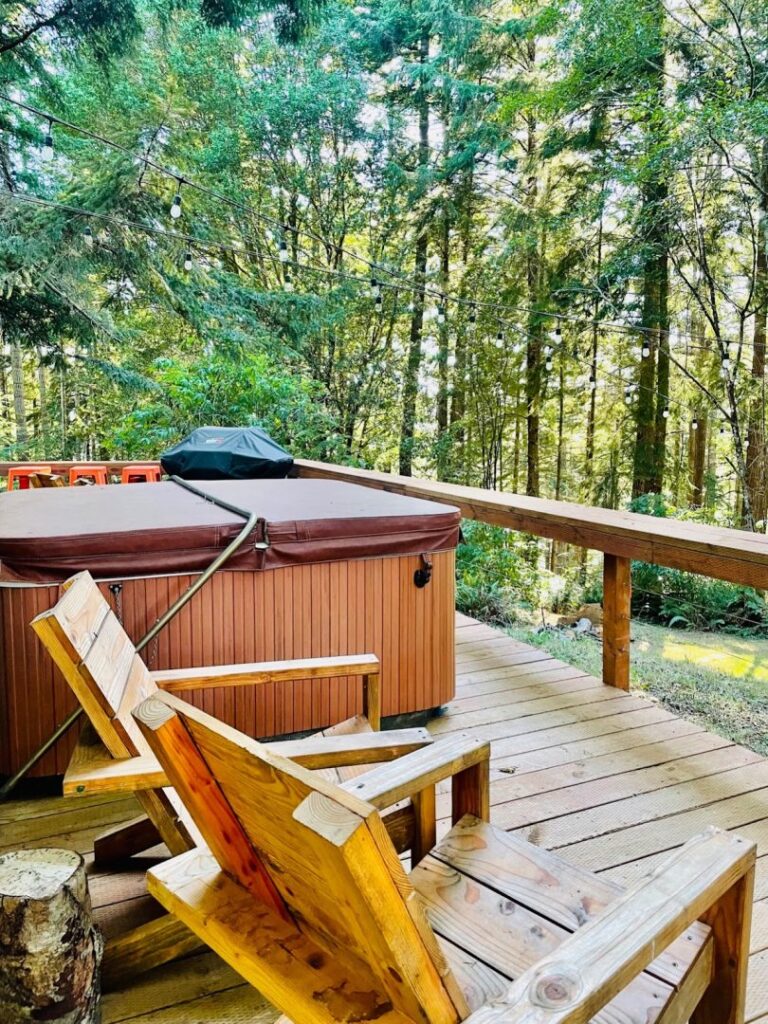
x: 443, y: 453
x: 413, y: 363
x: 757, y: 470
x: 653, y: 391
x: 697, y: 455
x: 19, y: 399
x: 533, y: 376
x: 560, y: 455
x: 42, y: 388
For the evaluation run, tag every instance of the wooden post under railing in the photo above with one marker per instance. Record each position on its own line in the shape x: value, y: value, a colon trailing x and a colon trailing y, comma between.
x: 617, y: 596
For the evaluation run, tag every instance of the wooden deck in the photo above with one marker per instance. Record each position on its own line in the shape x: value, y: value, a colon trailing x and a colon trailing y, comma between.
x: 609, y: 779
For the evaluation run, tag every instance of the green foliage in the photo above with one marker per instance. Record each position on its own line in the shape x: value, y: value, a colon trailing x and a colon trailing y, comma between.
x: 217, y: 391
x: 683, y: 600
x: 494, y: 574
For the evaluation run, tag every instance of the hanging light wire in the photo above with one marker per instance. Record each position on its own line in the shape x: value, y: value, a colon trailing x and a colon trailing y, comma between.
x: 404, y: 282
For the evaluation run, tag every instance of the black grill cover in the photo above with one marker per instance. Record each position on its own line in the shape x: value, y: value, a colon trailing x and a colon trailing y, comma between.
x: 227, y: 453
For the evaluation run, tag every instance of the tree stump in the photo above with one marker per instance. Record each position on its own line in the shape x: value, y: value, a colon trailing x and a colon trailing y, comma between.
x: 50, y: 951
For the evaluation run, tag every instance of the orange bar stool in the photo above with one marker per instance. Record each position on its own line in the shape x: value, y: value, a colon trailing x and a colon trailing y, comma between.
x: 140, y: 475
x: 96, y: 474
x: 23, y: 472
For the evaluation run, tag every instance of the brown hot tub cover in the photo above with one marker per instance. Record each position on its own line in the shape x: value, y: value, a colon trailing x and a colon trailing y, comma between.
x: 153, y: 529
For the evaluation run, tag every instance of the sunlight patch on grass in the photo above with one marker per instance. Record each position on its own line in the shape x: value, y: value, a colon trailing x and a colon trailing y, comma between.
x: 730, y: 662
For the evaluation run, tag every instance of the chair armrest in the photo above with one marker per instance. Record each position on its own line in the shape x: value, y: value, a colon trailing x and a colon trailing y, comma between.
x: 174, y: 679
x: 92, y: 769
x: 409, y: 775
x: 342, y: 751
x: 365, y: 665
x: 710, y: 878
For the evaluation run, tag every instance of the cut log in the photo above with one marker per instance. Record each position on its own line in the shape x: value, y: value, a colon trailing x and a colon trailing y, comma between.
x: 50, y: 951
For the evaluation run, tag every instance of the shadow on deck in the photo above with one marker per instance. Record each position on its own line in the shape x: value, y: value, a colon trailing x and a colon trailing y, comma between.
x: 609, y: 779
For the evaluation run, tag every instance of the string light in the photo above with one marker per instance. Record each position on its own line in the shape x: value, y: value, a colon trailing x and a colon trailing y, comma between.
x: 283, y: 246
x: 188, y: 261
x: 88, y: 236
x: 287, y: 283
x: 645, y: 351
x: 103, y: 140
x: 282, y: 251
x: 375, y: 288
x: 665, y: 413
x: 379, y: 304
x: 500, y: 340
x: 694, y: 424
x: 441, y: 314
x: 48, y: 143
x: 176, y: 204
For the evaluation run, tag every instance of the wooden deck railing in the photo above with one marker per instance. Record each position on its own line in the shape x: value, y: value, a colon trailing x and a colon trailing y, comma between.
x: 732, y: 555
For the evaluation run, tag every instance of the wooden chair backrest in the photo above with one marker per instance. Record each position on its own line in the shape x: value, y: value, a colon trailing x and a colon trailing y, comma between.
x: 99, y: 661
x: 328, y: 860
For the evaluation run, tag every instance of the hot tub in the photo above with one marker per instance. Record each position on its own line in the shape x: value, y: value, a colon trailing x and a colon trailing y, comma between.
x: 329, y: 569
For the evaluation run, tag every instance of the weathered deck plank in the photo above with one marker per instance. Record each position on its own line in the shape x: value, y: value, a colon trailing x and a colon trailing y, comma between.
x: 609, y: 779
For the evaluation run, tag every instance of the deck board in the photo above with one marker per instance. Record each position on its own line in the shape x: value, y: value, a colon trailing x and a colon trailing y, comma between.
x: 611, y: 780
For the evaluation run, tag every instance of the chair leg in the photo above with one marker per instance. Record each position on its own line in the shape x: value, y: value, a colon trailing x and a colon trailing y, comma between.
x: 125, y: 840
x: 731, y: 922
x: 425, y: 824
x: 145, y: 947
x: 470, y: 792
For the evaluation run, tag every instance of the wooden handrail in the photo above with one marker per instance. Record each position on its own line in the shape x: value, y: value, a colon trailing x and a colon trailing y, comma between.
x: 736, y: 556
x: 733, y: 555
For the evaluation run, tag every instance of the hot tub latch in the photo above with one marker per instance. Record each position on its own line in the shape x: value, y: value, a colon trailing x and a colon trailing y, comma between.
x: 263, y: 543
x: 423, y: 575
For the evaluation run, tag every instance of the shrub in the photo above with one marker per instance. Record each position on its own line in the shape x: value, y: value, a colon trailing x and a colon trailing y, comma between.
x: 495, y: 573
x: 684, y: 600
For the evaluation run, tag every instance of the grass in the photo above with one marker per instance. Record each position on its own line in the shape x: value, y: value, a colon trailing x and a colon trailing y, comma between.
x: 718, y: 680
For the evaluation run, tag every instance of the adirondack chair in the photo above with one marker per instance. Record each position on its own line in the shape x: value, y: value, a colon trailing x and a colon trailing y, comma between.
x: 101, y: 665
x: 301, y: 891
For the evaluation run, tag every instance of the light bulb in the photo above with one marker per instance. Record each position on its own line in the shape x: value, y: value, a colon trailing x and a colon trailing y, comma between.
x: 441, y: 314
x: 694, y: 424
x: 379, y: 304
x: 48, y: 144
x: 282, y: 252
x: 645, y: 351
x: 500, y: 340
x: 592, y: 383
x: 549, y: 364
x: 188, y: 261
x: 288, y: 283
x: 665, y: 414
x: 375, y: 288
x: 88, y: 236
x: 176, y: 206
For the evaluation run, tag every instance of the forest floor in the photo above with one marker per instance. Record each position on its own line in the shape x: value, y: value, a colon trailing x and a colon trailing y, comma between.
x: 718, y: 679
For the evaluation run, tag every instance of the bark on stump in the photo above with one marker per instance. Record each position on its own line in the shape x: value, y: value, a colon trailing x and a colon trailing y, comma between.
x: 50, y: 951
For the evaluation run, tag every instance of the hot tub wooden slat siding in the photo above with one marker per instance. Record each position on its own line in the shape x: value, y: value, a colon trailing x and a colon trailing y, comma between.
x: 359, y: 606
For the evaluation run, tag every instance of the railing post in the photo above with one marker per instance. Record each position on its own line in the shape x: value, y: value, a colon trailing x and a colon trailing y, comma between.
x: 617, y: 595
